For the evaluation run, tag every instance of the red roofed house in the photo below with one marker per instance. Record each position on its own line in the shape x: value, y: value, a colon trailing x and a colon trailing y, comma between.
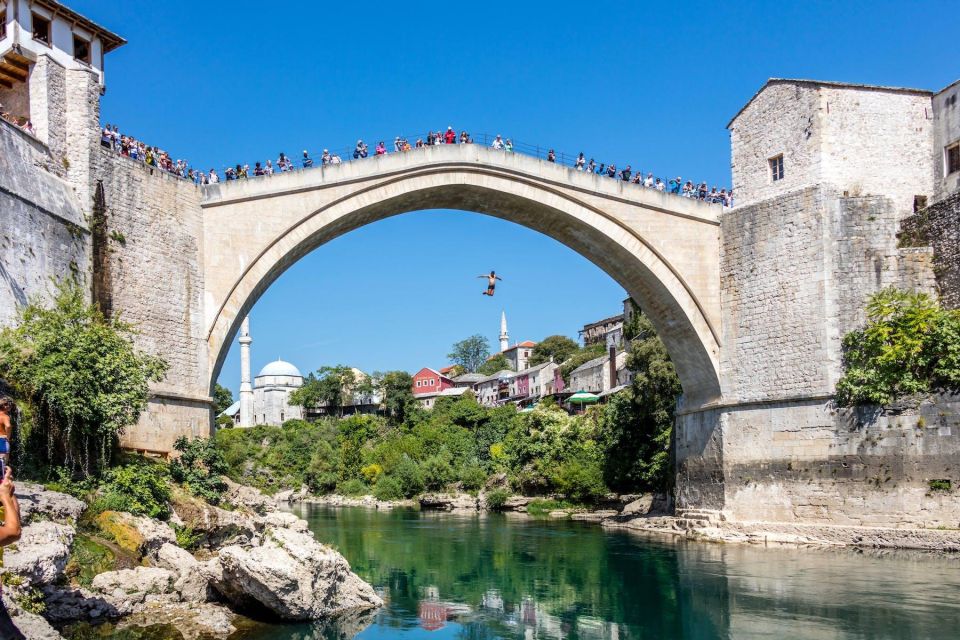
x: 519, y: 355
x: 429, y: 380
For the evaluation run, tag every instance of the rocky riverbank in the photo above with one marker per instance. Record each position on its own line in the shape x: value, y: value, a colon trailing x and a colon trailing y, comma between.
x: 653, y: 515
x: 248, y: 557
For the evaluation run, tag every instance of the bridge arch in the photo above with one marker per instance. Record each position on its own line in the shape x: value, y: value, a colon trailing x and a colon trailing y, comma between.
x: 254, y: 230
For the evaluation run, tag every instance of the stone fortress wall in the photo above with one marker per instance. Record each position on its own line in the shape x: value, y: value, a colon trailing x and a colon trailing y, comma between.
x: 800, y: 257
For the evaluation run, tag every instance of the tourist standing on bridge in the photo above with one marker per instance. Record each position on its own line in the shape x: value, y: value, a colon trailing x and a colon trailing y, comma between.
x: 381, y: 149
x: 626, y: 173
x: 450, y: 137
x: 497, y: 143
x: 551, y: 156
x: 325, y: 158
x: 307, y: 160
x: 508, y: 146
x: 581, y: 162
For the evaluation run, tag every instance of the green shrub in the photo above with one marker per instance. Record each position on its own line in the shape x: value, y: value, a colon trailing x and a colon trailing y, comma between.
x: 141, y: 489
x: 388, y: 488
x: 81, y: 377
x: 437, y: 472
x: 910, y: 345
x: 496, y: 499
x: 410, y: 477
x: 353, y: 488
x: 200, y: 468
x: 940, y: 485
x: 580, y: 480
x: 186, y: 537
x: 472, y: 477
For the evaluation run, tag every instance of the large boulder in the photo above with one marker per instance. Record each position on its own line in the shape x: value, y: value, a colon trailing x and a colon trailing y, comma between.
x: 41, y: 554
x: 448, y: 502
x: 128, y: 588
x: 639, y: 507
x: 247, y: 499
x: 191, y: 583
x: 292, y: 575
x: 284, y: 519
x: 37, y: 503
x: 136, y: 534
x: 214, y: 526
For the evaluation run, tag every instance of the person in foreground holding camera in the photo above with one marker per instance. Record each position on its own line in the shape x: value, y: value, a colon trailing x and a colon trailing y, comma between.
x: 9, y: 512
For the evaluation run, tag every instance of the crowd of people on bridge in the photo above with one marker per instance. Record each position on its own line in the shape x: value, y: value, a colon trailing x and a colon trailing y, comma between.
x: 18, y: 121
x: 129, y: 146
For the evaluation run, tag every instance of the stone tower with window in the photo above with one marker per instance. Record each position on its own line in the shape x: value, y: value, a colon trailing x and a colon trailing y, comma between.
x: 51, y: 75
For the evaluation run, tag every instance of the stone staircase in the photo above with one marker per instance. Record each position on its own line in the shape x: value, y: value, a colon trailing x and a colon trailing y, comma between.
x: 697, y: 518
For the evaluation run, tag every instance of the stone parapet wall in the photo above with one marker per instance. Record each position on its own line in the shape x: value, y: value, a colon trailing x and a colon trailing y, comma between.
x: 938, y: 226
x: 154, y: 232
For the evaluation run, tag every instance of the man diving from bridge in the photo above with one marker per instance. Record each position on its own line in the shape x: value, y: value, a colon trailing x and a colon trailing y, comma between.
x: 491, y: 282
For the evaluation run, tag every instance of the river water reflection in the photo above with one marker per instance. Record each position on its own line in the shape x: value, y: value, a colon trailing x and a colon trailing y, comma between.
x: 479, y: 577
x: 450, y: 577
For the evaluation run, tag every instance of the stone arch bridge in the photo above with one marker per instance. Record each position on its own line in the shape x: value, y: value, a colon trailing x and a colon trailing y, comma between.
x: 663, y: 249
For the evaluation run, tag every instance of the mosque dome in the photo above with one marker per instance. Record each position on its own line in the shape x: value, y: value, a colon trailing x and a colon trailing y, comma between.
x: 280, y: 368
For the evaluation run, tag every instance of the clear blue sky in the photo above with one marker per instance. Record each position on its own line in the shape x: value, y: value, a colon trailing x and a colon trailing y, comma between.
x: 651, y: 84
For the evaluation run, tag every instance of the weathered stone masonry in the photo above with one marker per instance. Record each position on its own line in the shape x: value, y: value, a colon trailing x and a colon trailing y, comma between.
x: 938, y: 226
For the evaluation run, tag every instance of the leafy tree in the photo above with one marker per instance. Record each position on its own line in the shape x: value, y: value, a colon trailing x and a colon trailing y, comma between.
x: 200, y: 468
x: 636, y: 425
x: 498, y: 362
x: 456, y: 370
x: 470, y: 353
x: 222, y: 398
x: 557, y: 347
x: 910, y: 345
x: 81, y: 376
x: 396, y: 387
x: 330, y: 386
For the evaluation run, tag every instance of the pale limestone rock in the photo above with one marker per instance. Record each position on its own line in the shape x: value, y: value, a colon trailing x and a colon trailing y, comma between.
x: 41, y: 554
x: 247, y: 498
x: 32, y: 626
x: 284, y: 519
x: 173, y: 558
x: 292, y: 575
x: 639, y: 507
x: 448, y: 502
x: 128, y: 588
x: 193, y: 621
x: 36, y: 501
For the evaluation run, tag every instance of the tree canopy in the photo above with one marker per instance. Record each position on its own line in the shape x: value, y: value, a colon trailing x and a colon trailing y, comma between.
x: 81, y: 376
x: 557, y: 347
x: 470, y: 353
x: 329, y: 386
x: 222, y: 398
x: 496, y: 363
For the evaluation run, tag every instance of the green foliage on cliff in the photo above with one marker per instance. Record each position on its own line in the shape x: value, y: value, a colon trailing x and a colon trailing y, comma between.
x: 910, y: 345
x: 80, y: 377
x: 496, y: 363
x: 200, y: 468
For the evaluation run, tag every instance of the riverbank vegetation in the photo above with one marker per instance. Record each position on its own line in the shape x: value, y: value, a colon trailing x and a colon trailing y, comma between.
x: 910, y: 345
x: 622, y: 446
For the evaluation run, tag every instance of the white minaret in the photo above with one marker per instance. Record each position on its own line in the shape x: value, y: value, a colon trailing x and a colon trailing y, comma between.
x: 504, y: 336
x: 246, y: 390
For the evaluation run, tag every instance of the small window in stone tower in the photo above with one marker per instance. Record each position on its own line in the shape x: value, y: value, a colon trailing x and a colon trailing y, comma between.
x: 81, y: 49
x: 776, y: 167
x: 41, y: 29
x: 3, y: 24
x: 952, y: 159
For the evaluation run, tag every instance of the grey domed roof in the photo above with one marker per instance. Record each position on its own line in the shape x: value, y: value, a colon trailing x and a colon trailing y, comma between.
x: 280, y: 368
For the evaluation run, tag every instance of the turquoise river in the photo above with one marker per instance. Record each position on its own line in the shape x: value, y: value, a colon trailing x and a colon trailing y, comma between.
x: 474, y: 577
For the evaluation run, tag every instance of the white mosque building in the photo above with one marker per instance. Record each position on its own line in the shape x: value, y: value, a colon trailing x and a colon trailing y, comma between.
x: 267, y: 401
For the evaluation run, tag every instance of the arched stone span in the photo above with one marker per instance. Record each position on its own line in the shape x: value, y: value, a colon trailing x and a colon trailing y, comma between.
x: 664, y: 250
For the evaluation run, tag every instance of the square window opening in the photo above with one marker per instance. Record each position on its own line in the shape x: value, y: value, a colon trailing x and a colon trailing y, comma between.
x: 81, y: 49
x: 41, y: 29
x: 952, y: 159
x: 776, y: 168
